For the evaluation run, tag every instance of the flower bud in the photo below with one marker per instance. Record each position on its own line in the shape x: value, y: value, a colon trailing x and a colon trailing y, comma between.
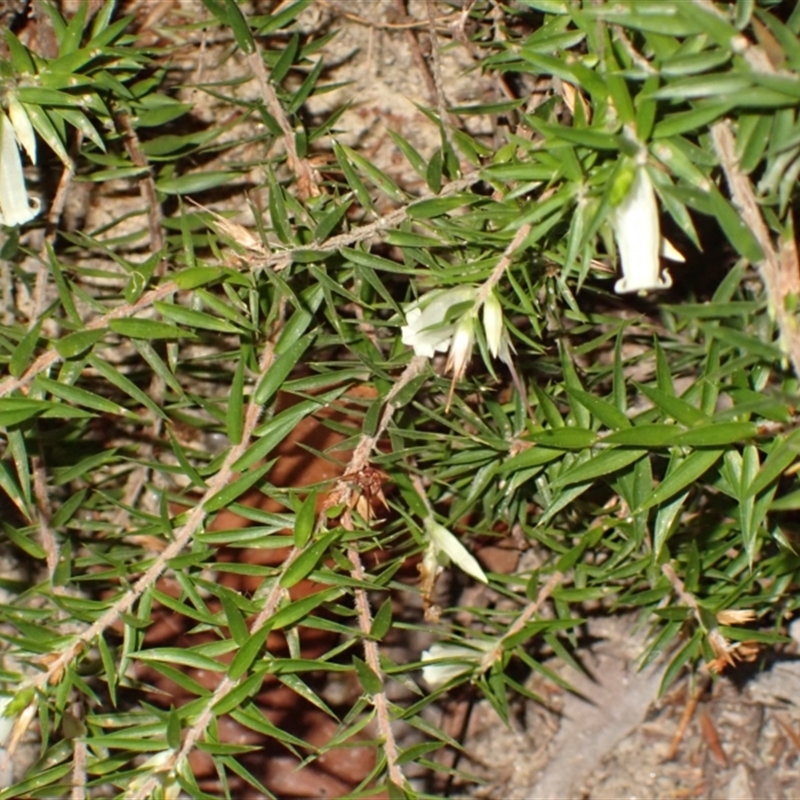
x: 495, y: 329
x: 447, y: 547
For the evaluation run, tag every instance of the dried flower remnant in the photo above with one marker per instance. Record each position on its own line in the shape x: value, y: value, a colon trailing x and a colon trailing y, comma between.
x: 735, y: 616
x: 460, y: 352
x: 369, y: 495
x: 729, y: 654
x: 433, y: 327
x: 637, y: 231
x: 429, y: 570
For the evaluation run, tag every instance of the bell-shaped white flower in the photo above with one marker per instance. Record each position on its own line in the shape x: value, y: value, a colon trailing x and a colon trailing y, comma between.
x: 15, y: 208
x: 637, y: 231
x: 432, y: 327
x: 429, y: 329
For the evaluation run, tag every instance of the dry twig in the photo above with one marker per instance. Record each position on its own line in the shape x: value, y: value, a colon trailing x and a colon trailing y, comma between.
x: 147, y: 186
x: 307, y: 181
x: 686, y: 717
x: 276, y: 261
x: 778, y: 267
x: 342, y: 493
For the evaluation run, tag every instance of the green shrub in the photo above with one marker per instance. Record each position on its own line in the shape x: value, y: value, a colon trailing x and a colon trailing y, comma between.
x: 641, y: 448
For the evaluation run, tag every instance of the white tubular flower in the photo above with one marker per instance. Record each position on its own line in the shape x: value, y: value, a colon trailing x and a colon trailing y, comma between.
x: 438, y: 674
x: 496, y: 334
x: 427, y: 328
x: 638, y: 234
x: 14, y: 206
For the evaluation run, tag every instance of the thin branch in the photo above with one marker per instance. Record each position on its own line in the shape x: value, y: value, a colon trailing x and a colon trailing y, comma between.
x: 39, y: 296
x: 307, y: 181
x: 502, y: 265
x: 343, y: 493
x: 51, y: 229
x: 385, y: 26
x: 779, y: 267
x: 46, y: 360
x: 79, y: 751
x: 48, y: 538
x: 274, y: 594
x: 182, y: 536
x: 147, y: 186
x: 372, y: 658
x: 441, y: 99
x: 724, y: 650
x: 677, y: 585
x: 59, y: 203
x: 686, y: 717
x: 225, y: 686
x: 416, y: 482
x: 276, y: 261
x: 417, y: 55
x: 496, y: 653
x: 365, y: 232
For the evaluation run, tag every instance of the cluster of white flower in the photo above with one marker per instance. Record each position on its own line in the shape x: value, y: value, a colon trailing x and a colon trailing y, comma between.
x: 444, y: 321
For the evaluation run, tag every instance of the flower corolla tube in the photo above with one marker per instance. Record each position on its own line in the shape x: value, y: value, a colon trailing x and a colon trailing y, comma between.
x: 14, y: 206
x: 638, y: 235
